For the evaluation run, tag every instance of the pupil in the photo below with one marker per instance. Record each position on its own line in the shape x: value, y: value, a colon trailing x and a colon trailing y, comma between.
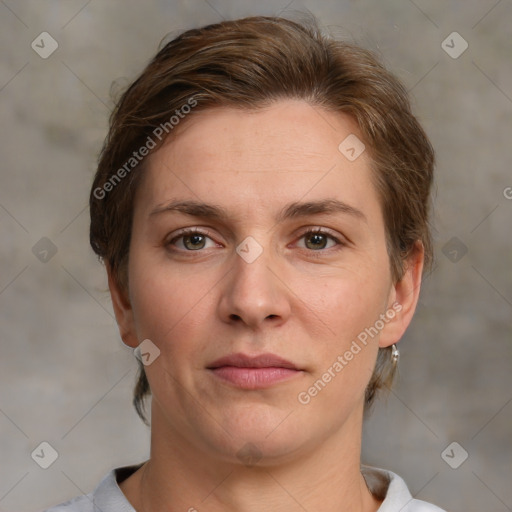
x: 195, y: 241
x: 318, y: 240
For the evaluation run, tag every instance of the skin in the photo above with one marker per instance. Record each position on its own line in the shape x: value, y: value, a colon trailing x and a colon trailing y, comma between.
x: 304, y: 298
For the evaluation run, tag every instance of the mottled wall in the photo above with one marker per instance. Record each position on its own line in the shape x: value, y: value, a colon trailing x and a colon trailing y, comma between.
x: 65, y: 376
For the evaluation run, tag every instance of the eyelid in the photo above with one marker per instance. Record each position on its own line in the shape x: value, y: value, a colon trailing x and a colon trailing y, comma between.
x: 192, y: 230
x: 339, y: 239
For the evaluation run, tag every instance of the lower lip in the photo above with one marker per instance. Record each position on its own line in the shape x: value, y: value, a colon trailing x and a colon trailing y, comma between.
x: 254, y: 378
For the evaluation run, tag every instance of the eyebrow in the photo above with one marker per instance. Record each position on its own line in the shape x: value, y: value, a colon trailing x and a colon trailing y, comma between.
x: 290, y: 211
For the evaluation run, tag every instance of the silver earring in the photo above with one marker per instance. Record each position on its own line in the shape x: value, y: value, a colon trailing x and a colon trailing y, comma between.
x: 395, y: 355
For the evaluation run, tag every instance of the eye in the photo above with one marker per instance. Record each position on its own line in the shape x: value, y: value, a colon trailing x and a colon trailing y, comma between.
x: 192, y: 240
x: 318, y: 239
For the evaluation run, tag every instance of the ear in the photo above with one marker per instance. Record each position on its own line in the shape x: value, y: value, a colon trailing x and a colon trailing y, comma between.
x: 403, y: 298
x: 122, y: 310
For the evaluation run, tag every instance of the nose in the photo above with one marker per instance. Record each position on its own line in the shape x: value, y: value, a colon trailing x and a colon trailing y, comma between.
x: 254, y: 294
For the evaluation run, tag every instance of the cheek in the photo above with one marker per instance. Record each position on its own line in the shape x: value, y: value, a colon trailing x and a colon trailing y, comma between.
x: 342, y: 304
x: 345, y: 359
x: 169, y: 306
x: 344, y: 310
x: 170, y: 311
x: 154, y: 306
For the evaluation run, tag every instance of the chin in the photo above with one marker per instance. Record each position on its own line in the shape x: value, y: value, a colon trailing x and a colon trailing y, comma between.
x: 260, y: 437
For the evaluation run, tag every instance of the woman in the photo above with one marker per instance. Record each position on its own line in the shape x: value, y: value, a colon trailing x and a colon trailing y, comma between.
x: 262, y: 207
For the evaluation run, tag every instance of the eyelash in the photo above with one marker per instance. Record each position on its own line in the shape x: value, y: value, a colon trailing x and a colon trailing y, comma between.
x: 309, y: 232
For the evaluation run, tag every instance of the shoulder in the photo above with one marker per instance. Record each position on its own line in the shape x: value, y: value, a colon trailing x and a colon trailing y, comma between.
x: 421, y: 506
x: 106, y: 496
x: 82, y: 503
x: 79, y: 504
x: 392, y: 489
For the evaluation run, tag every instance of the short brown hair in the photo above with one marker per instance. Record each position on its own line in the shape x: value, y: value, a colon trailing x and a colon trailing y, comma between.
x: 248, y: 64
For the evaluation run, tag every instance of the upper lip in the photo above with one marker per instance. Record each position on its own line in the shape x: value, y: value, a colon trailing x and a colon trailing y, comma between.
x: 245, y: 361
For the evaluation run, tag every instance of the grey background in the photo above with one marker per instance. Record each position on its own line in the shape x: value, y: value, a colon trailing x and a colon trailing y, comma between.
x: 65, y: 376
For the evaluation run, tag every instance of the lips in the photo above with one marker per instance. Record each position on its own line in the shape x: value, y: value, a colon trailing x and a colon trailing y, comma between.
x: 253, y: 372
x: 259, y: 361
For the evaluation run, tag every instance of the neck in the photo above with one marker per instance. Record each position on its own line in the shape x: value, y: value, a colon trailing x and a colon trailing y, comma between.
x: 179, y: 476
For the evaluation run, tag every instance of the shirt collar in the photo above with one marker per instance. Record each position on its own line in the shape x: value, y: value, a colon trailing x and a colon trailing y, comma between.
x: 384, y: 485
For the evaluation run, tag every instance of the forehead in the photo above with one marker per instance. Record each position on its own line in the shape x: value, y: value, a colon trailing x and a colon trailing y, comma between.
x: 255, y: 161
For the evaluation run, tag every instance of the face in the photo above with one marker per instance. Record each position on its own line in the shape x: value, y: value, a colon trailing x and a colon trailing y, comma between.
x: 257, y: 265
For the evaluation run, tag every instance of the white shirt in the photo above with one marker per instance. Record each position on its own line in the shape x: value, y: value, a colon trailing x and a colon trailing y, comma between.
x: 108, y: 497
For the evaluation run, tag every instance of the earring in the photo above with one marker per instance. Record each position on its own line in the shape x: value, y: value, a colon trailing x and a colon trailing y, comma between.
x: 395, y: 355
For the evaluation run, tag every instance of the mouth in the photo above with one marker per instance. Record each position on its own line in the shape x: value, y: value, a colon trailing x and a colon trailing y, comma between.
x: 253, y: 372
